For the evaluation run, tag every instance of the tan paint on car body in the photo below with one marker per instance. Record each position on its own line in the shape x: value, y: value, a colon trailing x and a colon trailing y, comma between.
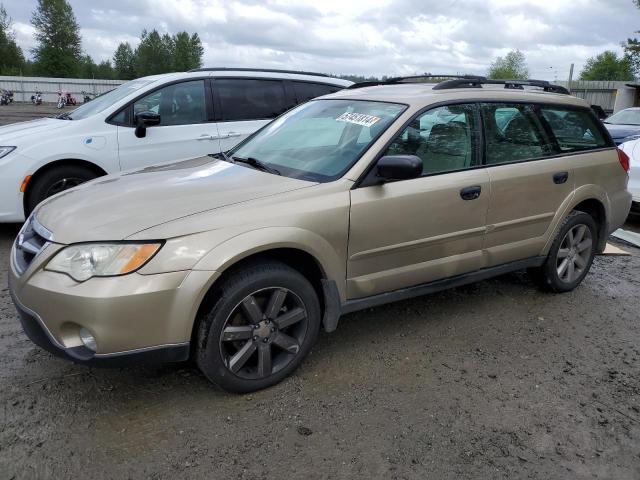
x: 212, y: 214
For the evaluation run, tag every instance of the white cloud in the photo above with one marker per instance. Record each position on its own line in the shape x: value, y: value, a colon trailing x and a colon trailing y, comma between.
x: 362, y: 36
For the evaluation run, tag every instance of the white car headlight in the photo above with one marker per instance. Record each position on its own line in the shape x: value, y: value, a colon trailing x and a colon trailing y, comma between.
x: 4, y: 151
x: 83, y: 261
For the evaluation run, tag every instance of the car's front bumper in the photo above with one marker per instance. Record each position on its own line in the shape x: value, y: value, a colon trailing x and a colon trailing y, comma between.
x: 133, y: 318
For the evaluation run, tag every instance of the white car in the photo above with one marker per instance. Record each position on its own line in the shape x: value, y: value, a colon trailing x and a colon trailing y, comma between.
x: 632, y: 149
x: 151, y: 120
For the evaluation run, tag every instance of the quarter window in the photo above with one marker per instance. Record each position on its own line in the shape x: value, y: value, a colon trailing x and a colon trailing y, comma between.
x: 247, y: 99
x: 306, y: 91
x: 178, y: 104
x: 513, y: 133
x: 574, y: 130
x: 444, y: 138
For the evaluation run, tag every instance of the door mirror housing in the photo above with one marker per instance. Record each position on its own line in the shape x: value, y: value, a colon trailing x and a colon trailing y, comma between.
x: 144, y: 120
x: 399, y: 167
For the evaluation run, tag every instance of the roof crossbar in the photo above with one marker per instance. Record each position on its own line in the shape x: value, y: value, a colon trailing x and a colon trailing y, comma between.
x: 409, y: 79
x: 512, y: 84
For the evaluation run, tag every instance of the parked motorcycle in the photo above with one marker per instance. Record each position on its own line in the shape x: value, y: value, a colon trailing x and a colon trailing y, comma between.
x: 65, y: 98
x: 6, y: 97
x: 36, y: 99
x: 86, y: 96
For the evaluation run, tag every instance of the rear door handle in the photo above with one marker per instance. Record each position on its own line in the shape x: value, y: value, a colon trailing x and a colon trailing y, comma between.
x: 560, y: 177
x: 233, y: 134
x: 471, y: 193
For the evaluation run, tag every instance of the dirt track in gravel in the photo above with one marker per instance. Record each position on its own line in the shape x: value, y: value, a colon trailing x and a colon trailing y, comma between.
x: 492, y: 380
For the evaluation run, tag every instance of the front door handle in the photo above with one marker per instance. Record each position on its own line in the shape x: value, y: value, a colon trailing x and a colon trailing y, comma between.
x: 471, y: 193
x: 206, y: 137
x: 560, y: 177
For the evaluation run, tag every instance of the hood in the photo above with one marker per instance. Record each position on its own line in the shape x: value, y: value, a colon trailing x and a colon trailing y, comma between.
x: 618, y: 132
x: 117, y: 206
x: 9, y: 133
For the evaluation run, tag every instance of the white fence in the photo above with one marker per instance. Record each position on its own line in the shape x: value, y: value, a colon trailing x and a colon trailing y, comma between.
x: 24, y: 87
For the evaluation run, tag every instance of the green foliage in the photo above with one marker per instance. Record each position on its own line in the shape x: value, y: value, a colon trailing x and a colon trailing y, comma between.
x: 187, y: 52
x: 11, y: 57
x: 124, y: 62
x: 511, y: 67
x: 89, y: 69
x: 59, y: 51
x: 607, y: 66
x: 164, y: 53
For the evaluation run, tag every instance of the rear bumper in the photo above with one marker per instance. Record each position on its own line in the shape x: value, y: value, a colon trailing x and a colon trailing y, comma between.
x: 38, y: 333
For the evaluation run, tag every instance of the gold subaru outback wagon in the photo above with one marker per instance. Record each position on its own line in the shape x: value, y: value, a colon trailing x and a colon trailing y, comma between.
x: 373, y: 194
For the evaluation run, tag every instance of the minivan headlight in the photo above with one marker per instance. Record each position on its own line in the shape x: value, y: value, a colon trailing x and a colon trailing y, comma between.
x: 83, y: 261
x: 4, y: 151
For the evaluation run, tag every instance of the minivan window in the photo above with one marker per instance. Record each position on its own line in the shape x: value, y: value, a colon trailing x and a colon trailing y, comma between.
x: 306, y: 90
x: 574, y: 130
x: 105, y: 100
x: 321, y: 139
x: 513, y: 133
x: 178, y: 104
x: 444, y: 138
x: 249, y: 99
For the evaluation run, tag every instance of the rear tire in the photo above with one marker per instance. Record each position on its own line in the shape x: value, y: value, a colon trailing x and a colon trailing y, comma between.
x: 264, y: 322
x: 55, y: 181
x: 570, y: 256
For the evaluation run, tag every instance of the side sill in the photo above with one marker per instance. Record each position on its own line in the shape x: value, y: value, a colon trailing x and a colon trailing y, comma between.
x: 438, y: 285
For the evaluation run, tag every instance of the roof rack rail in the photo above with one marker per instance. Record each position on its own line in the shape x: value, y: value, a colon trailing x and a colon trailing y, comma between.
x: 409, y: 79
x: 477, y: 82
x: 268, y: 70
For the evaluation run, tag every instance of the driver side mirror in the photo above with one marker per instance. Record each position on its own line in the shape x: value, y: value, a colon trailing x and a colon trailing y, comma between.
x: 399, y: 167
x: 144, y: 120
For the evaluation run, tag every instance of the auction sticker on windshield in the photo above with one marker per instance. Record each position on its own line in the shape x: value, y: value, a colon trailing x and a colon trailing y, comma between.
x: 358, y: 119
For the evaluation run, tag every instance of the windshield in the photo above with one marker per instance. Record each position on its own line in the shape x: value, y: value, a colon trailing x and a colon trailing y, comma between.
x: 105, y: 100
x: 320, y: 140
x: 625, y: 117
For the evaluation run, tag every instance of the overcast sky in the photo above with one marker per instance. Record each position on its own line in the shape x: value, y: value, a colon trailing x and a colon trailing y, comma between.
x: 362, y: 36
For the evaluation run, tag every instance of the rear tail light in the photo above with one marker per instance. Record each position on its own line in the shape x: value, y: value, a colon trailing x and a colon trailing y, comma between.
x: 624, y: 160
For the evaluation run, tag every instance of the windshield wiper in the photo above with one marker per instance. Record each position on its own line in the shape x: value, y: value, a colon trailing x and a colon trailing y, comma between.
x: 64, y: 116
x: 257, y: 164
x: 222, y: 155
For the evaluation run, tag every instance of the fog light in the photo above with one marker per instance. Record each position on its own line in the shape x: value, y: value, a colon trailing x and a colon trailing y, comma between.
x: 87, y: 339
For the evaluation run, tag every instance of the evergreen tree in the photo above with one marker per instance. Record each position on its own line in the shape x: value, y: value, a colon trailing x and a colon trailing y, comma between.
x: 124, y: 62
x: 187, y: 52
x: 11, y: 57
x: 59, y: 52
x: 154, y: 54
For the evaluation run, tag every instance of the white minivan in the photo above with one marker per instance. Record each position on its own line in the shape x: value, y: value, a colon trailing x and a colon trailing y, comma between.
x: 151, y: 120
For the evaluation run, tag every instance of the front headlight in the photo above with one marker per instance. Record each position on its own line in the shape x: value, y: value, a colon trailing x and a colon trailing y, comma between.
x: 83, y: 261
x: 4, y: 151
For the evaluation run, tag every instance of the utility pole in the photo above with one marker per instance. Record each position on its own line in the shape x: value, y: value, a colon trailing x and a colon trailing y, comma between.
x: 570, y: 77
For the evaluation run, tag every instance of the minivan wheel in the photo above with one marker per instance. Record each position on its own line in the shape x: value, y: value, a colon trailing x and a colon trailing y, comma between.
x: 263, y: 323
x: 571, y: 254
x: 54, y: 181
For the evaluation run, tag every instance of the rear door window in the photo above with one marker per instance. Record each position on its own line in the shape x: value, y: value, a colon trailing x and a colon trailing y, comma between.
x: 514, y: 133
x: 250, y: 99
x: 306, y: 90
x: 574, y: 130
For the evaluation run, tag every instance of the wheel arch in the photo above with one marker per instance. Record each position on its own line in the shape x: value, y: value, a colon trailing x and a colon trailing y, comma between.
x: 99, y: 171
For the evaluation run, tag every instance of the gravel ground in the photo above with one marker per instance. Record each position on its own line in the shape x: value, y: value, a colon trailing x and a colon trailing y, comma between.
x: 491, y: 380
x: 19, y: 112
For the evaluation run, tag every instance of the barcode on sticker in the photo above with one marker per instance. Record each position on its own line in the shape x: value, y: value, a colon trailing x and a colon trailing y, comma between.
x: 358, y: 119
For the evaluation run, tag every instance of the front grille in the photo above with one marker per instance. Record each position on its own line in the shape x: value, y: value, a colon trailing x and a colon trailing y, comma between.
x: 31, y: 240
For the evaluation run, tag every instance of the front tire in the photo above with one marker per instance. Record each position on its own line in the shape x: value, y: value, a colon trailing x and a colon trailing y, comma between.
x: 571, y: 254
x: 55, y: 181
x: 264, y: 322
